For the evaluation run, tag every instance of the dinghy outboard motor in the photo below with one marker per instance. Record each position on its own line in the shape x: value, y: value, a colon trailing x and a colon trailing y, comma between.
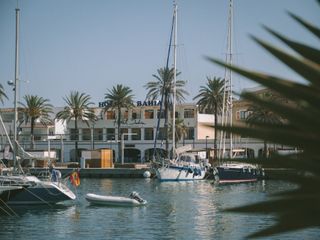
x: 136, y: 196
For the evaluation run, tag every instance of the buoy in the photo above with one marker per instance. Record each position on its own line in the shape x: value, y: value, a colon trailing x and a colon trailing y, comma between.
x: 146, y: 174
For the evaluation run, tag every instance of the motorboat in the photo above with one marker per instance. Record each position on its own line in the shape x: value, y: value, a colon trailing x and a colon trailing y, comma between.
x: 33, y: 191
x: 133, y: 200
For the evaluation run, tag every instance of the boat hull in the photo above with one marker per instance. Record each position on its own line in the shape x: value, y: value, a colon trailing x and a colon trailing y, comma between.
x: 36, y: 192
x: 177, y: 173
x: 113, y: 200
x: 234, y: 174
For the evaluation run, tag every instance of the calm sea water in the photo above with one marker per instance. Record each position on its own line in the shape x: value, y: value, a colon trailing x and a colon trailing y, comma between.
x: 187, y: 210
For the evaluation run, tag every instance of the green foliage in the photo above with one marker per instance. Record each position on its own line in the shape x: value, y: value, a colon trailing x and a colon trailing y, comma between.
x: 299, y: 208
x: 119, y: 97
x: 37, y: 108
x: 181, y: 130
x: 210, y: 97
x: 163, y: 88
x: 78, y: 108
x: 210, y: 100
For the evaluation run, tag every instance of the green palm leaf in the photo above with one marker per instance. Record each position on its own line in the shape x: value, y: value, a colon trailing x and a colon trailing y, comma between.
x: 295, y: 209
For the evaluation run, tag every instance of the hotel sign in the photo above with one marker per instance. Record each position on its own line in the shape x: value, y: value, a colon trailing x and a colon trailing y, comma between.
x: 138, y: 103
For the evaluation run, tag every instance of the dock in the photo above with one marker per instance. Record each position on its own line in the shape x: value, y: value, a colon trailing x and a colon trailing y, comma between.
x: 98, y: 172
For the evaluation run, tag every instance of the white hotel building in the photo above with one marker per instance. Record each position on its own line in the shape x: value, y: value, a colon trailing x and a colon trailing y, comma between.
x: 138, y: 130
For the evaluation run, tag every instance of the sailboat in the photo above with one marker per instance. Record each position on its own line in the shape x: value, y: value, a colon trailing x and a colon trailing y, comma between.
x: 184, y: 166
x: 232, y: 172
x: 28, y: 189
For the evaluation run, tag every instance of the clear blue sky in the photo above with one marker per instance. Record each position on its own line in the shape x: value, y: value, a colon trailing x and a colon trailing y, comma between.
x: 92, y: 45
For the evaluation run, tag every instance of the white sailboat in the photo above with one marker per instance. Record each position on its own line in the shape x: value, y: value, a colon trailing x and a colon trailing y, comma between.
x: 183, y: 166
x: 31, y: 189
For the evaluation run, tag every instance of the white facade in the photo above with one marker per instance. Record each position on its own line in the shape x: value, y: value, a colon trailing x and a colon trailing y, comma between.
x: 138, y: 128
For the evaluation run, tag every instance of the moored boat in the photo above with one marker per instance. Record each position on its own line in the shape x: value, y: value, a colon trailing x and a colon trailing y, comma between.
x: 133, y: 200
x: 33, y: 191
x: 185, y: 168
x: 238, y: 173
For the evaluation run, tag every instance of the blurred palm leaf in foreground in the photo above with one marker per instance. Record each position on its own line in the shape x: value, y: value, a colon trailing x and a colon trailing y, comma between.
x: 299, y: 208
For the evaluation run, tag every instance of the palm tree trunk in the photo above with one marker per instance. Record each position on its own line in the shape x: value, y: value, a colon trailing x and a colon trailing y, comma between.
x: 119, y: 135
x: 32, y: 133
x: 76, y: 141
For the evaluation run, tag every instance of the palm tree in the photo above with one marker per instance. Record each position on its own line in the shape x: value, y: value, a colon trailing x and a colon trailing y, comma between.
x: 264, y: 116
x: 35, y: 109
x: 181, y: 130
x: 119, y: 97
x: 2, y: 93
x: 162, y: 88
x: 78, y: 108
x: 295, y: 209
x: 211, y: 101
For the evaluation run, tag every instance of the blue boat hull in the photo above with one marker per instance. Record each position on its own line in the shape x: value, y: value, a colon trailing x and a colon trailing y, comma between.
x: 238, y: 175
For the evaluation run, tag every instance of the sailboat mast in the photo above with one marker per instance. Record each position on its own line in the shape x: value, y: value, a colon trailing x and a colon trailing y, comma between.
x: 174, y: 79
x: 16, y: 88
x: 228, y: 92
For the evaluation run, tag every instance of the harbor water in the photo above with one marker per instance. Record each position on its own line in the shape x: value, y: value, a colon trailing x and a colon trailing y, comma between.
x: 175, y: 210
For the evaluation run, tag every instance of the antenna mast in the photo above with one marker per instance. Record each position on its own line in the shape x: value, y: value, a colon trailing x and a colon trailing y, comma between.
x: 16, y: 89
x: 227, y: 93
x: 174, y: 79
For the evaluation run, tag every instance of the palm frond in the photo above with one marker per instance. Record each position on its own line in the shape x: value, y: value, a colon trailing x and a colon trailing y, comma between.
x: 304, y: 50
x: 294, y: 209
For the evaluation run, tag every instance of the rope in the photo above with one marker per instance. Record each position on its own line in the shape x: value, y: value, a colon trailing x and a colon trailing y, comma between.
x: 9, y: 208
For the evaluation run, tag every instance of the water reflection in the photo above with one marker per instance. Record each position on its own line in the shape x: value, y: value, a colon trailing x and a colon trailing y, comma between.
x: 175, y: 211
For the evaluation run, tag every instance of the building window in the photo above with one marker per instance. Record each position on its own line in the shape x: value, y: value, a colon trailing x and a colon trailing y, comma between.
x: 148, y: 134
x: 243, y: 114
x: 190, y: 134
x: 125, y: 115
x: 86, y: 134
x: 136, y: 115
x: 111, y: 134
x: 161, y: 134
x: 188, y: 113
x: 160, y: 115
x: 98, y: 134
x: 111, y: 115
x: 176, y: 115
x: 73, y: 134
x: 148, y: 114
x: 137, y: 131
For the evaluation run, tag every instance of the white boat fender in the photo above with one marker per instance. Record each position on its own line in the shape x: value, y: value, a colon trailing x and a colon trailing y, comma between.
x: 146, y: 174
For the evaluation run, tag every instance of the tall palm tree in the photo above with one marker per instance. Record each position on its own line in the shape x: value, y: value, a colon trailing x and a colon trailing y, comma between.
x: 78, y: 108
x: 294, y: 209
x: 35, y: 109
x: 2, y: 93
x: 210, y: 101
x: 119, y: 97
x: 162, y: 88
